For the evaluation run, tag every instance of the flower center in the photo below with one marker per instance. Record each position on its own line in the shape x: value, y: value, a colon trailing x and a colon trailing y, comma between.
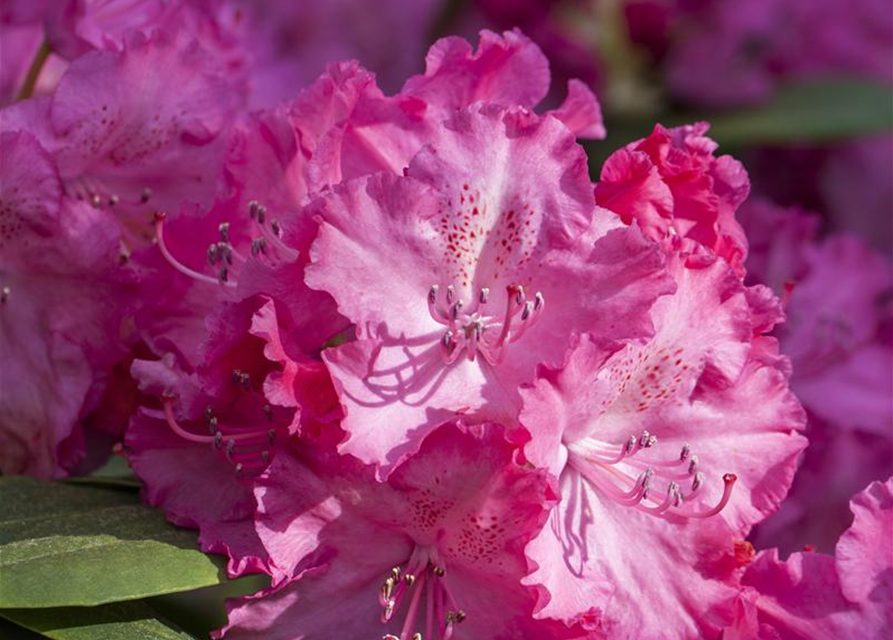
x: 223, y: 257
x: 424, y: 579
x: 247, y: 449
x: 628, y: 475
x: 472, y: 329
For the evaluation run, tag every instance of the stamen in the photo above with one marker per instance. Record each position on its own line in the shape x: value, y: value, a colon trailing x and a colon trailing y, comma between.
x: 472, y: 330
x: 602, y: 469
x: 171, y: 260
x: 245, y: 450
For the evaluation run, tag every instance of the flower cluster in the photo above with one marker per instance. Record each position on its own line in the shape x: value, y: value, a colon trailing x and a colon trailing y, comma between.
x: 398, y: 352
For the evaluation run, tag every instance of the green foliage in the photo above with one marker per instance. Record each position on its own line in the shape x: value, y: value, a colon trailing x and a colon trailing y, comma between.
x: 118, y: 621
x: 818, y: 111
x: 64, y: 545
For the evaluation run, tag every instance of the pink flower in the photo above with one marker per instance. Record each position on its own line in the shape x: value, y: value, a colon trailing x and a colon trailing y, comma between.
x: 487, y: 257
x: 63, y: 295
x: 435, y: 550
x: 842, y: 365
x: 672, y: 184
x: 217, y: 428
x: 123, y: 139
x: 812, y: 596
x: 648, y: 439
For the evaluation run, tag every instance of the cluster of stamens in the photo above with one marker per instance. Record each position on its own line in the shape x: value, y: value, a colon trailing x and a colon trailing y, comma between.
x: 472, y: 330
x: 424, y: 578
x: 222, y: 256
x: 247, y: 449
x: 604, y: 465
x: 85, y: 189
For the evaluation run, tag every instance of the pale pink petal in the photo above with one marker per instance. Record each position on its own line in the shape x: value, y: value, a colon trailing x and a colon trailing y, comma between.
x: 507, y: 70
x: 864, y: 556
x: 580, y: 112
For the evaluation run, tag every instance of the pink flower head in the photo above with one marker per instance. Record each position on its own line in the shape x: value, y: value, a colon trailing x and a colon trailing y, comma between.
x: 239, y: 248
x: 672, y: 184
x: 812, y: 596
x: 667, y: 450
x: 436, y: 550
x: 217, y: 428
x: 137, y: 130
x: 63, y: 294
x: 487, y: 257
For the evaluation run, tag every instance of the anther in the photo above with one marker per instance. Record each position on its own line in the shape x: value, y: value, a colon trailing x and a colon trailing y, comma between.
x: 145, y: 195
x: 693, y: 465
x: 686, y: 451
x: 631, y: 444
x: 252, y: 209
x: 697, y: 481
x: 271, y: 436
x: 450, y: 292
x: 4, y: 294
x: 528, y: 309
x: 268, y: 412
x: 519, y: 294
x: 455, y: 310
x: 439, y: 572
x: 539, y: 301
x: 113, y: 200
x: 276, y: 228
x: 218, y: 440
x: 643, y: 441
x: 239, y: 468
x: 261, y: 214
x: 96, y: 200
x: 484, y: 295
x: 224, y: 231
x: 416, y: 636
x: 235, y: 376
x: 455, y: 616
x: 212, y: 425
x: 432, y: 294
x: 212, y: 254
x: 265, y: 457
x: 409, y: 579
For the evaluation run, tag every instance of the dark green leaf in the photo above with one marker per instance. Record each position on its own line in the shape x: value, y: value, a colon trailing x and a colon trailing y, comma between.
x: 71, y: 545
x: 118, y: 621
x: 815, y: 111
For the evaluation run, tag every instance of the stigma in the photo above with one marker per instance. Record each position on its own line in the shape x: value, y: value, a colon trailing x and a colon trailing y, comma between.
x: 473, y: 329
x: 630, y: 475
x: 420, y: 594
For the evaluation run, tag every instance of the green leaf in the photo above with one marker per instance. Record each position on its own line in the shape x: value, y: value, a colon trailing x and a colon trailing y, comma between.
x: 118, y: 621
x: 114, y: 473
x: 72, y: 545
x: 816, y: 111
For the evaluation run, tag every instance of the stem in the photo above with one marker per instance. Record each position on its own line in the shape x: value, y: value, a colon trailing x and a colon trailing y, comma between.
x: 34, y: 70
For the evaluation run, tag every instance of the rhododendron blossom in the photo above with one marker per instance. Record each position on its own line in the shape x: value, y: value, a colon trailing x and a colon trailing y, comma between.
x: 476, y: 276
x: 396, y: 353
x: 436, y: 551
x: 650, y: 439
